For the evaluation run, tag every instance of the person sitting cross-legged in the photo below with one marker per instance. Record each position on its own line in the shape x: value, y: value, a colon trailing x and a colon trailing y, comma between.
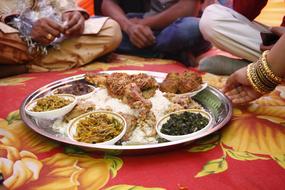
x: 168, y: 29
x: 51, y: 35
x: 235, y: 31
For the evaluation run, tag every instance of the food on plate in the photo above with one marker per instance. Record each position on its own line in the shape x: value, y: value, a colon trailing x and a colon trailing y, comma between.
x: 124, y: 94
x: 184, y: 123
x: 134, y: 98
x: 170, y: 83
x: 49, y: 103
x: 179, y: 83
x: 134, y: 90
x: 98, y: 79
x: 131, y: 121
x: 97, y: 128
x: 79, y: 109
x: 76, y: 89
x: 146, y: 84
x: 116, y: 83
x: 189, y: 81
x: 180, y: 102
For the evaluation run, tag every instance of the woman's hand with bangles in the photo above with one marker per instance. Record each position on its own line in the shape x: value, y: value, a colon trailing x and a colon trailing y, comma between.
x: 238, y: 88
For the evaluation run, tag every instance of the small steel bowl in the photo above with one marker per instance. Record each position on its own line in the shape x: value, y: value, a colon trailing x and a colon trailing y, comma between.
x: 71, y: 130
x: 52, y: 114
x: 187, y: 136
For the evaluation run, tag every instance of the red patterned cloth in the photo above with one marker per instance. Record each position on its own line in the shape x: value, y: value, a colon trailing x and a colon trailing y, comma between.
x: 248, y: 153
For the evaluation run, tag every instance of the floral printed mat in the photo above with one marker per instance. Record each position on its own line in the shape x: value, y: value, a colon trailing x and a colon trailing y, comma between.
x: 248, y: 153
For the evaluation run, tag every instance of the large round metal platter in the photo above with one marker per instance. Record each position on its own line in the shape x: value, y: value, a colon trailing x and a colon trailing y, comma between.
x: 210, y: 98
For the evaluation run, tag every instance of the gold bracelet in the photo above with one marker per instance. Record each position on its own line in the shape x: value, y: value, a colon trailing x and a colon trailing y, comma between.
x: 261, y: 68
x: 256, y: 80
x: 261, y: 74
x: 269, y: 72
x: 250, y: 79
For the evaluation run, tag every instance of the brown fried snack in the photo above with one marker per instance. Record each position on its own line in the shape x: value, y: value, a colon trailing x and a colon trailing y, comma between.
x: 131, y: 125
x: 170, y: 83
x: 189, y: 81
x: 98, y: 79
x: 116, y: 83
x: 79, y: 109
x: 147, y: 84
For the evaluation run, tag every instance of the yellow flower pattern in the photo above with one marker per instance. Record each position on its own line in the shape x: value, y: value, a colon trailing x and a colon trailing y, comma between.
x: 30, y: 161
x: 23, y: 169
x: 256, y: 132
x: 14, y: 81
x: 125, y: 60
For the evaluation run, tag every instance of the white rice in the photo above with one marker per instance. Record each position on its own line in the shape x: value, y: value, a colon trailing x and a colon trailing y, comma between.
x: 139, y: 137
x: 103, y: 101
x: 60, y: 126
x: 159, y: 104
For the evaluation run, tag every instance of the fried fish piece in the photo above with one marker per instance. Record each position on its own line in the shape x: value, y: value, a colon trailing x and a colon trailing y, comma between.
x: 189, y: 81
x: 144, y: 81
x: 116, y: 83
x: 79, y: 109
x: 98, y: 79
x: 131, y: 125
x: 170, y: 83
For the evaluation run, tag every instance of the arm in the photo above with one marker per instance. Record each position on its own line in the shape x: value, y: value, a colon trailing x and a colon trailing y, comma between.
x: 140, y: 35
x: 182, y: 8
x: 112, y: 9
x: 240, y: 90
x: 276, y: 58
x: 73, y: 17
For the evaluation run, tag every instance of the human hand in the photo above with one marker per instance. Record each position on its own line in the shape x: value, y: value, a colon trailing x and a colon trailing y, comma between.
x: 45, y: 30
x: 135, y: 20
x: 239, y: 89
x: 141, y: 36
x: 277, y: 31
x: 75, y: 23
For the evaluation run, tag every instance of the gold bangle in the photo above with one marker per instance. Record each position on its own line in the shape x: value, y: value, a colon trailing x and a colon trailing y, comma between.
x: 256, y: 80
x: 261, y: 68
x: 269, y: 72
x: 268, y: 84
x: 250, y: 79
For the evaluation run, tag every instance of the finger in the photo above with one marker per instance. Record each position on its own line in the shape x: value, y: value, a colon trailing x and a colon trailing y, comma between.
x: 73, y: 20
x: 136, y: 42
x: 238, y: 96
x: 148, y: 34
x: 230, y: 83
x: 44, y: 41
x: 278, y: 30
x: 242, y: 100
x: 77, y: 27
x: 65, y: 16
x: 52, y: 31
x: 140, y: 37
x: 55, y: 26
x: 264, y: 47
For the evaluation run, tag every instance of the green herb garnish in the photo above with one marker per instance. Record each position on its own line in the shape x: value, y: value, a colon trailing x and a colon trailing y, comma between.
x: 184, y: 123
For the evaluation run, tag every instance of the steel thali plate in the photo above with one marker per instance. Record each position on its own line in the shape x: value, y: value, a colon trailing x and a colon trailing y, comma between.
x: 214, y: 101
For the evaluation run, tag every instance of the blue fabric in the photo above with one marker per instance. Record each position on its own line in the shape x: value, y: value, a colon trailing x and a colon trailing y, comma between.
x: 180, y: 37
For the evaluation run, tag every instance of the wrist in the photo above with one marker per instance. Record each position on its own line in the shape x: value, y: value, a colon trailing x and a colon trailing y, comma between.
x: 126, y: 26
x: 261, y: 76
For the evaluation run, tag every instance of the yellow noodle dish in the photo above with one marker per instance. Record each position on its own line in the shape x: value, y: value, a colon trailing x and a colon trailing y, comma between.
x: 98, y: 127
